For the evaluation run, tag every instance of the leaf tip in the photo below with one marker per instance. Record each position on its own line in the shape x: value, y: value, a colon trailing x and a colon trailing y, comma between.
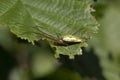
x: 71, y: 57
x: 57, y: 55
x: 80, y: 52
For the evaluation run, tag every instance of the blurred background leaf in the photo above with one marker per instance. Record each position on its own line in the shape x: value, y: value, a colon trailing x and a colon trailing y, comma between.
x: 106, y: 42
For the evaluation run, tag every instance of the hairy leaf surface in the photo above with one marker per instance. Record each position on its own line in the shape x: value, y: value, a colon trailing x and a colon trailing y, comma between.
x: 32, y: 19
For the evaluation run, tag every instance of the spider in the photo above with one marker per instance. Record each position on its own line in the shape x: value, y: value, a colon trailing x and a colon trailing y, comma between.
x: 59, y: 41
x: 67, y: 40
x: 64, y: 40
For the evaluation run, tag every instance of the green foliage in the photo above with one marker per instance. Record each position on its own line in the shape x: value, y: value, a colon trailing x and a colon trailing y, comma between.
x: 30, y: 19
x: 64, y: 74
x: 106, y: 42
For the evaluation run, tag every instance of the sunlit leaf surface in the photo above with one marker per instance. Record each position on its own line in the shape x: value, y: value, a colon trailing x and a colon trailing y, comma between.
x: 32, y: 19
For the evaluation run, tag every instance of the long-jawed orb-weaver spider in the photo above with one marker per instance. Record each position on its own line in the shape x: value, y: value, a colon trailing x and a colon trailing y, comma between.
x: 66, y: 40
